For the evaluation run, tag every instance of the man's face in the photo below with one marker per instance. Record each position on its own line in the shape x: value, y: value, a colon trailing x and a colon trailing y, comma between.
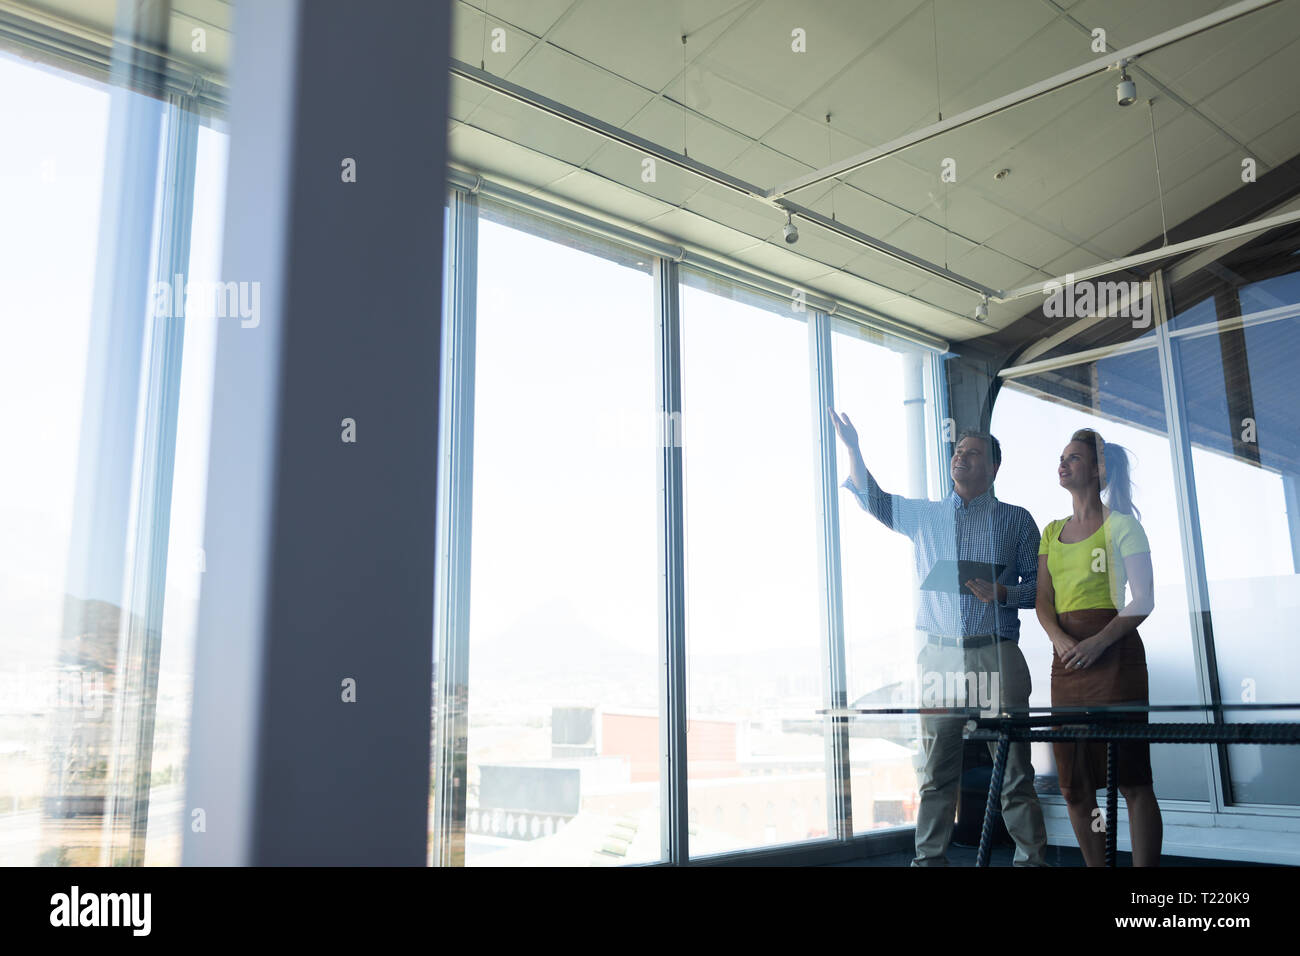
x: 971, y: 467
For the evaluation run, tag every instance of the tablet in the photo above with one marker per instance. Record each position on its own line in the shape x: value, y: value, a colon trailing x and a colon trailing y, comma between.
x: 948, y: 576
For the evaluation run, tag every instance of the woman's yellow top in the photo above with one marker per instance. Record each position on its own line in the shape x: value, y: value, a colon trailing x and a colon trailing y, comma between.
x: 1090, y: 573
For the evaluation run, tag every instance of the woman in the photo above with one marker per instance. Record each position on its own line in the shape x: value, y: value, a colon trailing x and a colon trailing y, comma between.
x: 1084, y: 562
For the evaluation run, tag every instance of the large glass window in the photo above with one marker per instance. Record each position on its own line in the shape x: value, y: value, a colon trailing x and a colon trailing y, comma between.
x: 52, y: 174
x: 1121, y: 398
x: 1235, y: 355
x: 563, y: 748
x: 97, y: 674
x: 887, y: 395
x: 756, y: 752
x: 186, y: 556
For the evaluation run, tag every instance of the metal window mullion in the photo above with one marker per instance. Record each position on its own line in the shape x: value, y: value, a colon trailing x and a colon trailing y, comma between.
x: 1180, y: 448
x: 940, y: 483
x: 455, y: 524
x: 674, y: 834
x: 839, y: 797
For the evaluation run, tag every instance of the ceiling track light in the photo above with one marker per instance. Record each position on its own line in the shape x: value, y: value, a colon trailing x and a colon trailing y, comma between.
x: 1126, y: 91
x: 982, y: 310
x: 791, y: 231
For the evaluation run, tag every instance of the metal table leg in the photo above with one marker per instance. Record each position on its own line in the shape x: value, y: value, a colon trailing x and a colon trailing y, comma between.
x: 995, y: 798
x: 1112, y: 802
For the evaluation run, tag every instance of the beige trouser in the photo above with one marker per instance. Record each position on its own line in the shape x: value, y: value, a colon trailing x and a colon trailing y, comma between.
x: 998, y: 676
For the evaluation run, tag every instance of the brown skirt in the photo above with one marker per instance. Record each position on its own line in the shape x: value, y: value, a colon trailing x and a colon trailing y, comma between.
x: 1119, y: 676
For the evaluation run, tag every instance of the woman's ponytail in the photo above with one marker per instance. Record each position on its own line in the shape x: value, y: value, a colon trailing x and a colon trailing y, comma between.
x: 1114, y: 467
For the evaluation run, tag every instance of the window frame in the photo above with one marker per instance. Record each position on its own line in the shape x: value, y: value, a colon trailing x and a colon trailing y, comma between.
x: 1165, y: 344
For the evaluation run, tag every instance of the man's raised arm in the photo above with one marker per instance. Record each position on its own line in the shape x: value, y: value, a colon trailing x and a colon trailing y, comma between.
x: 870, y: 495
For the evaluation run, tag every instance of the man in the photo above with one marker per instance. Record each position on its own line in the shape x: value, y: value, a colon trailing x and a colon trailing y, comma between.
x: 970, y: 632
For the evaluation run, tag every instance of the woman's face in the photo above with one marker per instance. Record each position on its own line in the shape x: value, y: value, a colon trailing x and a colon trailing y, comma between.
x: 1077, y: 468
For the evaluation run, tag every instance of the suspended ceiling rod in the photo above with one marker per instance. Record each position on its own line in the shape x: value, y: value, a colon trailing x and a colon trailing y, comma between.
x: 1033, y: 91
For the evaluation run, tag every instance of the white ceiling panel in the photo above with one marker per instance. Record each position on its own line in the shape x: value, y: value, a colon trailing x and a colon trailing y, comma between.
x: 1282, y: 142
x: 809, y: 141
x: 778, y: 260
x: 844, y: 286
x: 973, y: 37
x: 722, y: 99
x: 635, y: 39
x: 1030, y: 243
x: 762, y: 165
x: 884, y: 271
x: 966, y: 212
x: 882, y: 95
x: 471, y: 45
x: 726, y: 205
x: 1126, y: 21
x: 598, y: 194
x: 462, y: 97
x: 489, y: 154
x: 897, y: 181
x: 526, y: 126
x: 580, y: 85
x: 758, y: 50
x: 1219, y: 178
x: 700, y: 231
x: 1057, y: 45
x: 1202, y: 64
x: 946, y: 296
x: 702, y: 140
x: 861, y: 210
x: 995, y: 269
x: 930, y: 241
x: 535, y: 16
x: 1248, y: 105
x: 623, y: 165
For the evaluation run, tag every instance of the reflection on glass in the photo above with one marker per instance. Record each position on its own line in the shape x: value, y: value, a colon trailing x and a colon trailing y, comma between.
x: 73, y: 503
x: 975, y: 564
x: 1094, y: 592
x: 1120, y: 398
x: 756, y: 754
x: 186, y: 558
x: 563, y: 749
x: 886, y: 393
x: 1246, y: 461
x: 50, y: 189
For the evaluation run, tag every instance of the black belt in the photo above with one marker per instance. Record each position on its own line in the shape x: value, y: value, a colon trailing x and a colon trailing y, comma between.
x: 968, y: 642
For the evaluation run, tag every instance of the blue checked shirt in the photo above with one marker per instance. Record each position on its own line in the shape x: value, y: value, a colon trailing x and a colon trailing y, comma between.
x: 984, y: 530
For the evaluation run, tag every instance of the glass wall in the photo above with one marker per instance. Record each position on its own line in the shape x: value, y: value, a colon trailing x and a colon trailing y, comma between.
x: 104, y: 190
x: 1119, y: 397
x: 756, y: 755
x: 186, y: 556
x: 50, y: 189
x: 886, y: 392
x: 1236, y: 332
x: 1217, y: 486
x: 563, y: 748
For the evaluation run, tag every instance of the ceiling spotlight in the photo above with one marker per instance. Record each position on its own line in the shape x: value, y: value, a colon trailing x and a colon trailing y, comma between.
x: 982, y: 310
x: 791, y: 231
x: 1126, y: 91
